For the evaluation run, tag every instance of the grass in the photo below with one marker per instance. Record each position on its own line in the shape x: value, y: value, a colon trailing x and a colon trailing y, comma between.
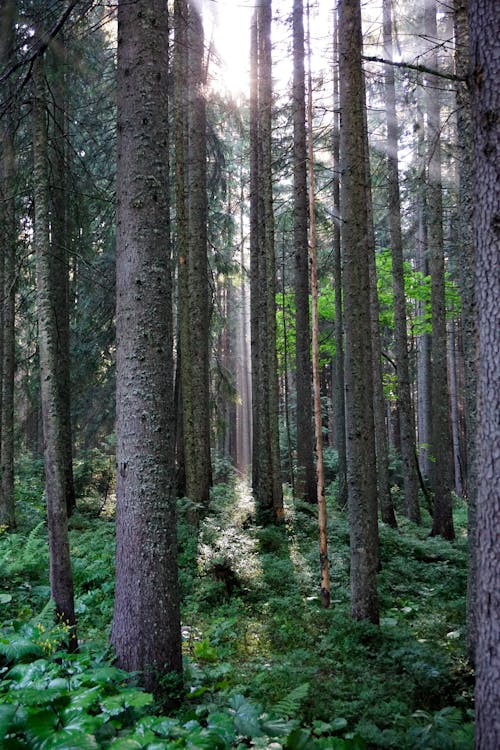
x: 253, y: 627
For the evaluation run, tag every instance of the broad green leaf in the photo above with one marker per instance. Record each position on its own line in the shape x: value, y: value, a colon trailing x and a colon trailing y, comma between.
x: 246, y: 716
x: 7, y: 712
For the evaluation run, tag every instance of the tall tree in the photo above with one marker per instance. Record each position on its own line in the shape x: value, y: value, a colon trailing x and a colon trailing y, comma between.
x: 361, y: 468
x: 485, y: 92
x: 146, y: 622
x: 305, y: 482
x: 7, y: 274
x: 407, y: 423
x: 442, y: 522
x: 61, y: 579
x: 266, y: 469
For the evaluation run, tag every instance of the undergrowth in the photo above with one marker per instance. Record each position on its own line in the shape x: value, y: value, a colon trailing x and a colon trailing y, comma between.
x: 265, y: 665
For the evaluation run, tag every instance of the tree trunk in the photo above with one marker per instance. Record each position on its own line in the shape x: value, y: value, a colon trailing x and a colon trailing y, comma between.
x: 266, y: 469
x: 60, y: 248
x: 7, y: 278
x: 338, y: 389
x: 485, y: 95
x: 441, y: 475
x: 466, y: 265
x: 361, y: 468
x: 146, y: 622
x: 61, y: 579
x: 406, y: 419
x: 305, y: 485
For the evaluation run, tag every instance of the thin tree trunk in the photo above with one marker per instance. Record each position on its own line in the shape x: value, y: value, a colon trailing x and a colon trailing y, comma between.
x: 305, y: 480
x: 318, y: 422
x: 7, y: 279
x: 338, y: 388
x: 406, y: 418
x: 146, y: 631
x: 485, y: 97
x: 61, y: 579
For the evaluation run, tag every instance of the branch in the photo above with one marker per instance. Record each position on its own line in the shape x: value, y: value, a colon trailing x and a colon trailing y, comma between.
x: 413, y: 66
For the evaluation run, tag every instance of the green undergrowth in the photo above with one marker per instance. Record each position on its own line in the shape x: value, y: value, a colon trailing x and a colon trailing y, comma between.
x: 265, y: 665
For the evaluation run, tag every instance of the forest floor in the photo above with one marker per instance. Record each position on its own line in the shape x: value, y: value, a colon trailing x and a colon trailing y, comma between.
x: 266, y: 665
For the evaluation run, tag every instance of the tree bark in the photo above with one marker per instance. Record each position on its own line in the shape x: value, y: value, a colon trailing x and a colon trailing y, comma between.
x: 305, y: 484
x: 361, y: 467
x: 485, y: 96
x: 406, y: 418
x: 61, y: 579
x: 442, y: 522
x: 146, y: 622
x: 7, y: 277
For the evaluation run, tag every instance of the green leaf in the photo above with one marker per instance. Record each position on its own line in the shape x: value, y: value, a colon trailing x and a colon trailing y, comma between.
x: 5, y: 598
x: 299, y: 739
x: 246, y: 716
x: 69, y: 740
x: 223, y: 726
x: 126, y: 743
x: 7, y: 713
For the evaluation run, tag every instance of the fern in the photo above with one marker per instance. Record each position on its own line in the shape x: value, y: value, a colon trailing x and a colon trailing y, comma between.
x: 290, y: 704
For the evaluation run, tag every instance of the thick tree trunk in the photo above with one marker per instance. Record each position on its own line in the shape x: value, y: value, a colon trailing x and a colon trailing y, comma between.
x: 485, y: 74
x: 146, y: 623
x: 361, y: 468
x: 442, y: 522
x: 61, y: 579
x: 466, y: 265
x: 266, y: 468
x: 7, y: 279
x: 305, y: 485
x: 406, y: 418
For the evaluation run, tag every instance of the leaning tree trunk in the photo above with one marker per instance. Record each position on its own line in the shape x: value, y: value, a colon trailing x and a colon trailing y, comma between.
x: 361, y: 467
x: 407, y: 422
x: 61, y: 579
x: 305, y: 484
x: 442, y: 522
x: 485, y: 94
x: 7, y: 277
x: 146, y: 622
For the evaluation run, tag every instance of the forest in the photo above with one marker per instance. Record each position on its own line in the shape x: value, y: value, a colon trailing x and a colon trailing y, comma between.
x: 249, y: 374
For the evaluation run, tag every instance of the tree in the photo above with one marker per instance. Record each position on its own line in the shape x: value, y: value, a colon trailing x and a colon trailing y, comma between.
x: 146, y: 622
x: 361, y: 468
x: 61, y: 579
x: 266, y: 469
x: 442, y: 522
x: 305, y: 483
x: 485, y: 95
x: 7, y: 276
x: 407, y: 423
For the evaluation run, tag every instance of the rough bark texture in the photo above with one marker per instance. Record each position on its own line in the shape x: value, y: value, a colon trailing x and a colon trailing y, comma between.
x: 196, y: 391
x: 146, y: 622
x: 406, y: 418
x: 361, y: 469
x: 60, y: 242
x: 442, y: 522
x: 338, y: 362
x: 266, y: 469
x: 305, y: 483
x: 485, y: 75
x: 61, y: 580
x: 7, y: 279
x: 466, y: 265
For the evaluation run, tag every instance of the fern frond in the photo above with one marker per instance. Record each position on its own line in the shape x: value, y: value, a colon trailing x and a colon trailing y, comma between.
x: 290, y: 704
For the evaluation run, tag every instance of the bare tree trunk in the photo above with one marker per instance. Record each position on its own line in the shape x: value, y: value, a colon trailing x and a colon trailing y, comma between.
x: 61, y: 579
x: 338, y: 388
x: 7, y: 278
x: 406, y: 418
x: 146, y: 622
x: 485, y: 97
x: 466, y: 265
x: 443, y: 516
x: 305, y: 481
x: 318, y: 423
x: 361, y: 468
